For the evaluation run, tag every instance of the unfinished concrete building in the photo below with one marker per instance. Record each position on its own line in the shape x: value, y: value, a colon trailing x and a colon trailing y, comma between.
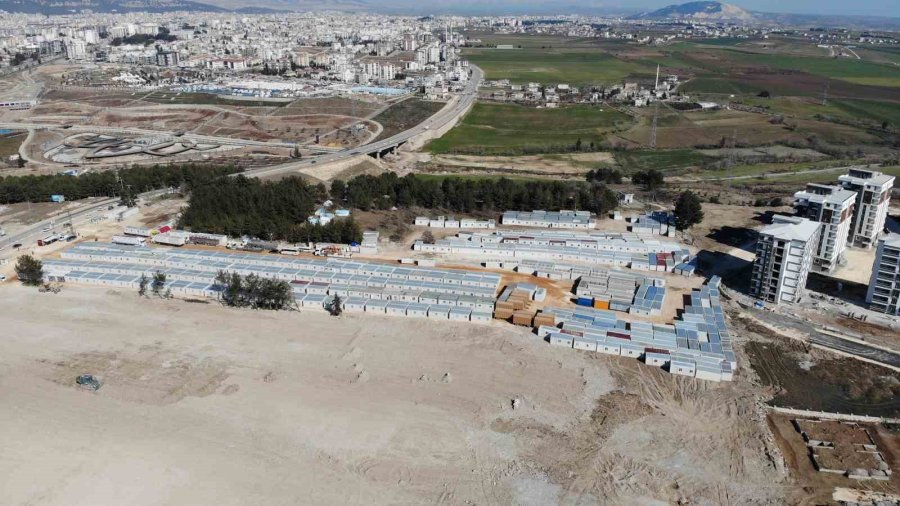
x: 784, y: 255
x: 873, y: 197
x: 884, y: 285
x: 832, y: 206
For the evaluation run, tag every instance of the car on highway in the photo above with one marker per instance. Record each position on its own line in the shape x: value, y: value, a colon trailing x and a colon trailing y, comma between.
x: 17, y: 245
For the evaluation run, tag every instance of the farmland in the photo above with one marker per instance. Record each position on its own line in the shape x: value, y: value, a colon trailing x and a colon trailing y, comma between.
x: 547, y: 66
x: 501, y: 128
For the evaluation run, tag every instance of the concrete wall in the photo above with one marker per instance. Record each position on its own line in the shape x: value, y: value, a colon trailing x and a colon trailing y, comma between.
x: 832, y: 416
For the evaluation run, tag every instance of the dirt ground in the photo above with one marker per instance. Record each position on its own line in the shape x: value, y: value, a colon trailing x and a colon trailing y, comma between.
x: 568, y: 165
x: 819, y: 487
x: 207, y: 405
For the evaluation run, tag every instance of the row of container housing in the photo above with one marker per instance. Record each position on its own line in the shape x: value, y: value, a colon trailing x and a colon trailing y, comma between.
x: 444, y: 222
x: 550, y: 219
x: 556, y: 253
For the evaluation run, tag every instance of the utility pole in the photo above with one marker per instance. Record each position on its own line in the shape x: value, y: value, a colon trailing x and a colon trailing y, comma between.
x: 732, y: 156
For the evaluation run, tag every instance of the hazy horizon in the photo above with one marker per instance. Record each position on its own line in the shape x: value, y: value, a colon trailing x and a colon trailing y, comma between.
x: 881, y: 8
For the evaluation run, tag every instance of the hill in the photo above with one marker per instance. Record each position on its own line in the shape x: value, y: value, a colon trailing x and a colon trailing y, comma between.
x: 707, y: 11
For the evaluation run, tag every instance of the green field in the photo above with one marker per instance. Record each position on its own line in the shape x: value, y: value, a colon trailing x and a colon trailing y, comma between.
x: 660, y: 159
x: 405, y: 115
x: 847, y: 69
x: 9, y: 144
x: 552, y: 66
x: 719, y: 86
x: 502, y: 128
x: 871, y: 111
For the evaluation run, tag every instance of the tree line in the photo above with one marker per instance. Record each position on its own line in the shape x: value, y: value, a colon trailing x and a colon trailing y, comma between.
x: 254, y: 291
x: 468, y: 195
x: 274, y: 210
x: 123, y: 182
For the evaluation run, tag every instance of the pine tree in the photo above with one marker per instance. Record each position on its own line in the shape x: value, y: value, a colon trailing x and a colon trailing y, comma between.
x: 688, y: 210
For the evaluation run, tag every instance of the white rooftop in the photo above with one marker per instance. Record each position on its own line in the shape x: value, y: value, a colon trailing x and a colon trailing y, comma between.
x: 790, y: 228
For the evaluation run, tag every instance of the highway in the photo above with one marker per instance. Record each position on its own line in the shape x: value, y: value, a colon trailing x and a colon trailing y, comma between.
x: 457, y: 106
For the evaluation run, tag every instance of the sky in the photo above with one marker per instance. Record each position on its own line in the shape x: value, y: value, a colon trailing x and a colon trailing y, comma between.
x: 886, y: 8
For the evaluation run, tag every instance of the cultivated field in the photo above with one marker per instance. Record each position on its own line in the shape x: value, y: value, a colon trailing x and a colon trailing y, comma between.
x: 498, y: 128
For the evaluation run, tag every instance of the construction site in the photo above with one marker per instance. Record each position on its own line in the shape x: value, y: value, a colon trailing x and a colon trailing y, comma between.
x: 563, y: 366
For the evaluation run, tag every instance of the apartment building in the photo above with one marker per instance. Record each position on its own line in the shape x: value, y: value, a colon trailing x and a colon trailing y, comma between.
x: 873, y: 196
x: 784, y: 254
x: 832, y: 206
x: 884, y: 285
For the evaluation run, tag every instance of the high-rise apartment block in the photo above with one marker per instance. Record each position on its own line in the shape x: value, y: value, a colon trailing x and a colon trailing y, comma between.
x: 832, y: 206
x: 884, y: 285
x: 784, y: 254
x: 873, y: 196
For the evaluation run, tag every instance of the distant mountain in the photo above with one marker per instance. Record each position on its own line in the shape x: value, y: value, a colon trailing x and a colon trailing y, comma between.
x: 701, y: 11
x: 295, y: 5
x: 50, y: 7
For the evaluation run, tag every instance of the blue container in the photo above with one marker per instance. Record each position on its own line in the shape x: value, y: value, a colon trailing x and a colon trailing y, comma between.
x: 585, y: 301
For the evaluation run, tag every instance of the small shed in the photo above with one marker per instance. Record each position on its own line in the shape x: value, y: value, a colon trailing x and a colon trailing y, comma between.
x: 416, y: 310
x: 584, y: 343
x: 438, y: 312
x: 656, y: 358
x: 460, y: 314
x: 481, y: 316
x: 560, y: 339
x: 376, y: 306
x: 396, y: 308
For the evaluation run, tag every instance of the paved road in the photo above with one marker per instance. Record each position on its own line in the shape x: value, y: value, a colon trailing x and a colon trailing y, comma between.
x: 454, y: 109
x: 28, y: 236
x: 457, y: 106
x: 855, y: 348
x: 781, y: 317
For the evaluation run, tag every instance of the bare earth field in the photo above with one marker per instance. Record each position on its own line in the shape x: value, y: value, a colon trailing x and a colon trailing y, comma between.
x: 207, y: 405
x: 564, y: 165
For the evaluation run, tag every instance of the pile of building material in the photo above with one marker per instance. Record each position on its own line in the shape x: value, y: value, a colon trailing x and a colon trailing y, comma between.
x: 655, y: 223
x: 686, y: 268
x: 514, y: 303
x: 451, y: 222
x: 550, y: 219
x: 698, y: 344
x: 621, y: 291
x: 313, y: 280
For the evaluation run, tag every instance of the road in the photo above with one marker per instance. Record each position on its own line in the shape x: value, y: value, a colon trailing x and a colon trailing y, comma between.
x: 202, y: 139
x: 775, y: 175
x: 782, y: 317
x: 28, y: 236
x: 457, y: 106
